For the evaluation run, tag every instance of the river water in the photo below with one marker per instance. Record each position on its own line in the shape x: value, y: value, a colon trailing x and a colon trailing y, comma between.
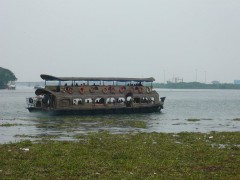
x: 184, y: 111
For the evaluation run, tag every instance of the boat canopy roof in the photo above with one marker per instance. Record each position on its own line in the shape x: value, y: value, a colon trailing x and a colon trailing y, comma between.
x: 120, y: 79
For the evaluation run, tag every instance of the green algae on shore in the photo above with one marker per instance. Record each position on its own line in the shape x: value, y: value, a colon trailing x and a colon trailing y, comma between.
x: 214, y: 155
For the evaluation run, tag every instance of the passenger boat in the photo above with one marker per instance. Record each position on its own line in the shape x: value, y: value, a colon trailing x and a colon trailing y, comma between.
x: 95, y: 95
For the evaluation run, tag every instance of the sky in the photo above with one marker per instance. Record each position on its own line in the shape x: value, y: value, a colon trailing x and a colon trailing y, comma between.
x: 193, y: 40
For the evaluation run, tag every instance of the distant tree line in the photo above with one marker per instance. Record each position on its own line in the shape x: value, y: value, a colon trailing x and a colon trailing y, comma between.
x: 5, y: 77
x: 196, y: 85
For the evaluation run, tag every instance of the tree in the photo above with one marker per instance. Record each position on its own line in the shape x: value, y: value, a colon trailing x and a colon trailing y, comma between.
x: 6, y: 76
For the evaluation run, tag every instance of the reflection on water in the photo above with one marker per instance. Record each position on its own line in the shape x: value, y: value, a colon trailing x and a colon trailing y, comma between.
x: 185, y: 110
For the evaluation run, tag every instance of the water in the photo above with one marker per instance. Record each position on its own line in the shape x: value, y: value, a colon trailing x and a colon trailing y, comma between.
x: 184, y: 110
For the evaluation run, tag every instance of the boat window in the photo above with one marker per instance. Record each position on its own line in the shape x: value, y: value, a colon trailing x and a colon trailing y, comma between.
x: 121, y: 100
x: 88, y: 100
x: 129, y: 98
x: 77, y: 101
x: 136, y: 100
x: 144, y: 100
x: 152, y: 100
x: 110, y: 100
x: 99, y: 100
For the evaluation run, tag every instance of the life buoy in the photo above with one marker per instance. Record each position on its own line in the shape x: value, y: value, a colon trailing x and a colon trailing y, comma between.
x: 70, y: 90
x: 112, y: 89
x: 122, y: 89
x: 140, y: 89
x: 92, y: 89
x: 131, y: 89
x: 82, y: 89
x: 104, y: 89
x: 148, y: 89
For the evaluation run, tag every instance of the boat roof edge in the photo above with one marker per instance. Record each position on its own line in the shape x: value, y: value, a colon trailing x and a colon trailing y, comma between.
x: 121, y: 79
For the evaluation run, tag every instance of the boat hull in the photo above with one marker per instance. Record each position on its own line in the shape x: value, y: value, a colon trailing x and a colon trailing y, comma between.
x: 123, y: 110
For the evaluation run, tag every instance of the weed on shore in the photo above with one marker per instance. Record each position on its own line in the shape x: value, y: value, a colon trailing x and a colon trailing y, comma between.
x: 125, y: 156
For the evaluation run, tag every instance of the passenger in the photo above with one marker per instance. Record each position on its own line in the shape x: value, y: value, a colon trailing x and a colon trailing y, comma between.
x: 76, y: 84
x: 66, y: 87
x: 101, y: 101
x: 58, y: 89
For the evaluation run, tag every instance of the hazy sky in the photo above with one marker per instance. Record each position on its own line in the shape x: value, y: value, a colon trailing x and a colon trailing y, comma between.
x: 122, y: 38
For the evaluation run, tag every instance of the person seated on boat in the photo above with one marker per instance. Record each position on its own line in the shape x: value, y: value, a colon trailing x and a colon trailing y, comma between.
x: 95, y: 86
x: 46, y: 99
x: 66, y: 87
x: 80, y: 101
x: 39, y: 97
x: 101, y: 101
x: 58, y: 89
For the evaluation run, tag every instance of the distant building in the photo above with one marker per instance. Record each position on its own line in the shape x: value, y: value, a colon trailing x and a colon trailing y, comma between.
x: 236, y: 81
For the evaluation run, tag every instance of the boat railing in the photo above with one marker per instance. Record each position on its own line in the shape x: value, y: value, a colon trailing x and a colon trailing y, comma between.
x: 45, y: 101
x: 34, y: 102
x: 105, y: 89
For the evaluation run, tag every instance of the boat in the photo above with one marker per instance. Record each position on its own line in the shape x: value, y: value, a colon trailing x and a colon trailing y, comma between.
x: 11, y: 85
x: 95, y: 95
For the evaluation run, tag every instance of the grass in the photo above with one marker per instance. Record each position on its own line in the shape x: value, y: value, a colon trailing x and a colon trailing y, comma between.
x: 193, y: 119
x: 236, y: 119
x: 124, y: 123
x: 125, y: 156
x: 9, y: 125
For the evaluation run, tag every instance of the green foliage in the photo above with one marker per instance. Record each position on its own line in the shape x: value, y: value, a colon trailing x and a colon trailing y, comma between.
x: 193, y: 119
x: 6, y: 76
x: 125, y: 156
